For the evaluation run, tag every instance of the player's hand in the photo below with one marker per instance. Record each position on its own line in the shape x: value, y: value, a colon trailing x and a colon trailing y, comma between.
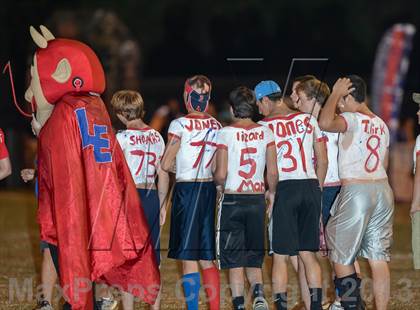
x: 413, y: 210
x: 162, y: 216
x: 269, y: 198
x: 36, y: 126
x: 343, y: 87
x: 27, y: 175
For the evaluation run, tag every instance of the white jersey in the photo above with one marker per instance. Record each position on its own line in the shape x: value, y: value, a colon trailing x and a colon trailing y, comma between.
x: 332, y: 178
x: 363, y: 147
x: 294, y: 135
x: 143, y: 149
x: 198, y: 134
x: 416, y: 151
x: 246, y: 149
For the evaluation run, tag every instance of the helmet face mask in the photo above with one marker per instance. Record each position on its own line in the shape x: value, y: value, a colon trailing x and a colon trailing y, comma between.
x: 198, y: 102
x: 196, y: 99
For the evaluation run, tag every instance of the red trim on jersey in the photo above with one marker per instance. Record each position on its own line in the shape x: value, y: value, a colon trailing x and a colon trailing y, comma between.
x: 173, y: 136
x: 197, y: 116
x: 272, y: 143
x: 285, y: 117
x: 222, y: 146
x: 345, y: 121
x: 252, y: 126
x: 368, y: 115
x: 417, y: 153
x: 140, y: 129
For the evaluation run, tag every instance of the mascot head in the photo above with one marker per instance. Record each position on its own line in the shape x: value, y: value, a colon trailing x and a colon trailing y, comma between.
x: 197, y: 91
x: 60, y: 67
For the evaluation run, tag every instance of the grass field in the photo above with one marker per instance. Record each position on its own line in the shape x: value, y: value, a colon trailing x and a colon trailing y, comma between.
x: 20, y: 261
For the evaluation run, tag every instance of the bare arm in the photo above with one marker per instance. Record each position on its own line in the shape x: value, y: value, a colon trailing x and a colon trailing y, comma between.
x: 386, y: 159
x: 221, y: 167
x: 321, y: 156
x: 5, y: 168
x: 171, y: 150
x: 163, y: 187
x: 272, y: 169
x: 415, y: 204
x: 329, y: 120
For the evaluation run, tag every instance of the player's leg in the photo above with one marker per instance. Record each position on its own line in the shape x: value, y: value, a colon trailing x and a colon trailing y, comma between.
x: 211, y: 278
x: 329, y: 195
x: 313, y: 277
x: 184, y: 241
x: 48, y: 275
x: 211, y: 283
x: 191, y: 283
x: 381, y: 283
x: 283, y: 237
x: 345, y: 232
x: 303, y: 283
x: 377, y: 242
x: 231, y: 246
x: 255, y: 206
x: 236, y: 282
x: 279, y: 280
x: 255, y: 279
x: 308, y: 226
x: 127, y: 301
x: 151, y: 207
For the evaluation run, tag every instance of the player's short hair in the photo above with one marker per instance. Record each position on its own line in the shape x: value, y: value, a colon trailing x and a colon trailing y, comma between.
x: 304, y: 78
x: 199, y: 81
x: 359, y: 85
x: 314, y: 88
x: 275, y: 96
x: 243, y: 102
x: 129, y: 104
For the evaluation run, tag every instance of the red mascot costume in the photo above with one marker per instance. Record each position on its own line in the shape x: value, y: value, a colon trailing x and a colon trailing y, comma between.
x: 88, y: 204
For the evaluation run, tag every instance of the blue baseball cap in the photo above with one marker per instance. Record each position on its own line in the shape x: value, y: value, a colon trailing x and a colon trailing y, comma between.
x: 266, y: 88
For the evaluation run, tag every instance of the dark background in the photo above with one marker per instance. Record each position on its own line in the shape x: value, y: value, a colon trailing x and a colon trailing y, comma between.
x: 176, y: 39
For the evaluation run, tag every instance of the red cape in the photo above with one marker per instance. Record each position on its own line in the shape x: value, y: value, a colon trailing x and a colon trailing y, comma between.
x: 91, y: 209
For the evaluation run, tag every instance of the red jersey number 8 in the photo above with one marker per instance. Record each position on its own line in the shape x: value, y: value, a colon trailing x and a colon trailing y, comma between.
x: 373, y: 147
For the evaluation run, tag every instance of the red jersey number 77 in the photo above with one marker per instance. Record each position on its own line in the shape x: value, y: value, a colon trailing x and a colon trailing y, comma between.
x: 203, y: 145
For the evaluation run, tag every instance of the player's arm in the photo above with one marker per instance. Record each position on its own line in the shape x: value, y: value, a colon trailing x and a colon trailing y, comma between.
x: 320, y: 150
x: 163, y: 188
x: 329, y: 120
x: 220, y: 173
x: 171, y: 150
x: 5, y: 168
x: 272, y: 175
x: 415, y: 204
x: 272, y: 170
x: 386, y: 159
